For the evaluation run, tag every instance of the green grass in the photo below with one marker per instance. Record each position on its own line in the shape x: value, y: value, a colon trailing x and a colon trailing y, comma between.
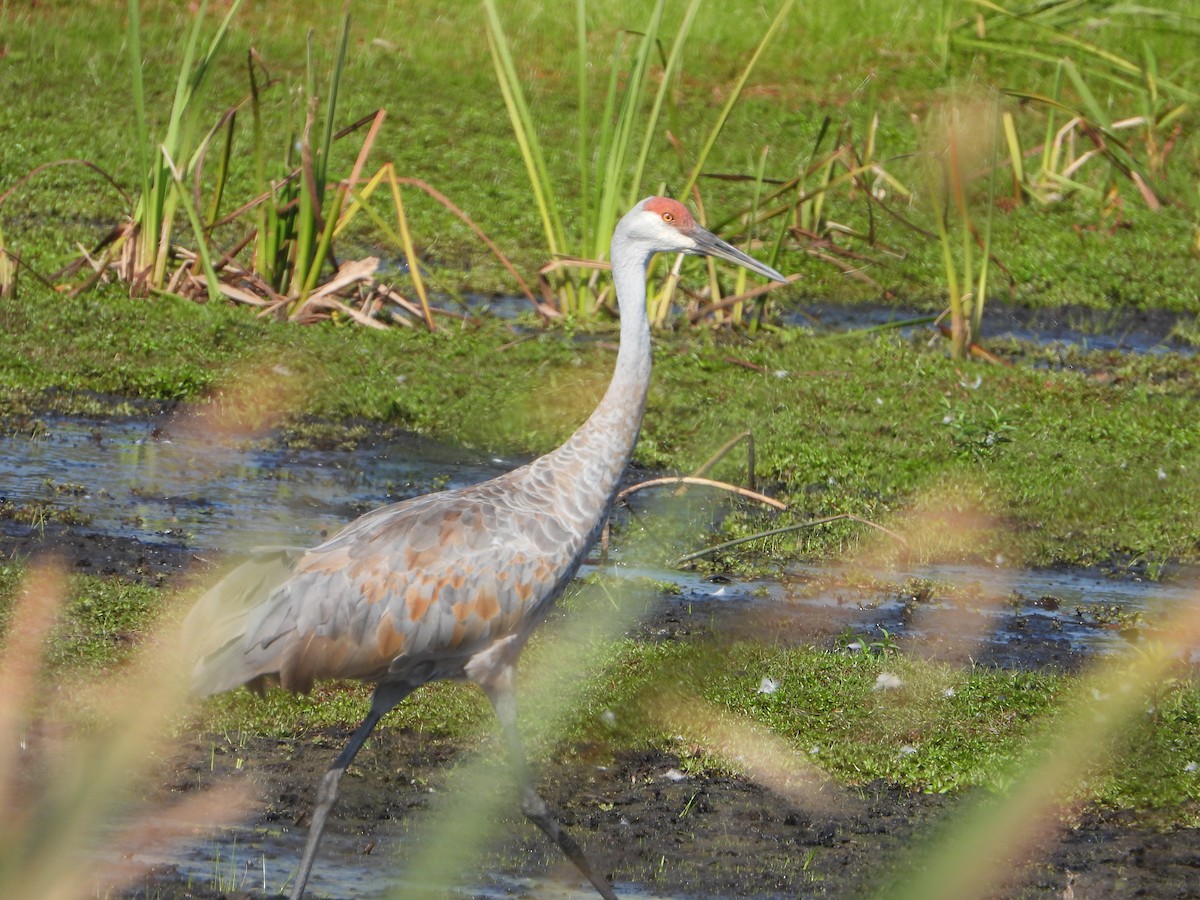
x: 1065, y: 453
x: 101, y: 622
x: 942, y: 728
x: 429, y: 66
x: 105, y: 618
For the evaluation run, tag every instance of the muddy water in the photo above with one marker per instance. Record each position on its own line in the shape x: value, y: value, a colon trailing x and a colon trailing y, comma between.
x: 137, y: 478
x: 263, y: 862
x: 140, y: 478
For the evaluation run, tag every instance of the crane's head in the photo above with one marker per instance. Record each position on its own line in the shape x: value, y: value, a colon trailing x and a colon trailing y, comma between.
x: 663, y: 225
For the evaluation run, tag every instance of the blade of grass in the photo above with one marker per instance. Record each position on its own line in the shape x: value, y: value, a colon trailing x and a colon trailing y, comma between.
x: 134, y: 38
x: 202, y: 251
x: 154, y: 212
x: 1015, y: 157
x: 524, y: 131
x: 614, y: 195
x: 8, y: 270
x: 410, y: 254
x: 734, y: 95
x: 214, y: 209
x: 583, y: 123
x: 328, y: 224
x: 331, y: 99
x: 591, y: 238
x: 985, y: 259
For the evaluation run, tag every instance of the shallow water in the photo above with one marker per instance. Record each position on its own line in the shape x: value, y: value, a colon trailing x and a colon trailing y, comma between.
x: 973, y: 614
x: 255, y: 859
x: 133, y: 477
x: 141, y: 478
x: 1083, y: 328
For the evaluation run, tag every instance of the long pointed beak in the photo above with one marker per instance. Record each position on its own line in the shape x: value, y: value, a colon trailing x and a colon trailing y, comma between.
x: 708, y: 244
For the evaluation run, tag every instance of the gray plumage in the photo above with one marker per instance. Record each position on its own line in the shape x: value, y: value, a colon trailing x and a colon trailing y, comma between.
x: 448, y: 585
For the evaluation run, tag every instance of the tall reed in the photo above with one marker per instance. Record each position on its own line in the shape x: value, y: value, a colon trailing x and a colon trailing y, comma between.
x: 963, y: 149
x: 614, y: 146
x: 166, y: 164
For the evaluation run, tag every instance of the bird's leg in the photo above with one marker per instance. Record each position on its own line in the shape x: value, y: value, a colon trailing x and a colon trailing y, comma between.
x: 385, y: 697
x: 501, y: 692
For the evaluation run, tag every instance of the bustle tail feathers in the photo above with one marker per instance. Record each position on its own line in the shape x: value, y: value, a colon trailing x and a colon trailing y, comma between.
x: 215, y: 629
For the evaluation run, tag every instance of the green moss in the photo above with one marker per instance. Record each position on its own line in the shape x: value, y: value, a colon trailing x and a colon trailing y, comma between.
x: 430, y: 67
x: 938, y: 728
x: 1083, y: 457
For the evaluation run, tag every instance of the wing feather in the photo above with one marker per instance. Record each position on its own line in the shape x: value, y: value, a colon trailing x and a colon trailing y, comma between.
x: 436, y: 578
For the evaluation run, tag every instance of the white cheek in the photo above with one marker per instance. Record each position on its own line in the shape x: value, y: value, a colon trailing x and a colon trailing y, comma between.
x: 673, y: 237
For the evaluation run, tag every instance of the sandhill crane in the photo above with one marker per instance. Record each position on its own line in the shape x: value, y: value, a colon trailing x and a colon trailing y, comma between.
x: 449, y: 585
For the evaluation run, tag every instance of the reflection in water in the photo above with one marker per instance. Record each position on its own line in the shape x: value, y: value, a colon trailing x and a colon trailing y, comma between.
x: 127, y: 478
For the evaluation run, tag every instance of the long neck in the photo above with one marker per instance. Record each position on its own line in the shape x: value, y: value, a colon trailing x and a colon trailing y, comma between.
x: 619, y: 414
x: 594, y: 457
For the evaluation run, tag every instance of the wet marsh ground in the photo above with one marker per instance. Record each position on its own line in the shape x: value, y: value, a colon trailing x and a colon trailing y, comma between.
x: 1066, y: 456
x: 662, y: 814
x: 1076, y: 455
x: 661, y: 818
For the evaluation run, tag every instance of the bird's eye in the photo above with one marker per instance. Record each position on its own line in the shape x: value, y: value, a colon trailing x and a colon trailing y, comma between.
x: 668, y: 217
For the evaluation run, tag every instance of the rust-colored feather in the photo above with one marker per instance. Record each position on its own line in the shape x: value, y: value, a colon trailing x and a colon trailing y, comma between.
x: 440, y: 576
x: 449, y: 585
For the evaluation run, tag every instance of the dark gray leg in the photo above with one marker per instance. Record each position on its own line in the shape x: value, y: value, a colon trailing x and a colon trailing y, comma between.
x: 504, y: 700
x: 385, y: 697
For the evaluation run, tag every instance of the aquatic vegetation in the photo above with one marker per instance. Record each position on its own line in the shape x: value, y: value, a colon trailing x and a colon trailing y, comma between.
x: 1069, y: 456
x: 74, y: 758
x: 610, y: 177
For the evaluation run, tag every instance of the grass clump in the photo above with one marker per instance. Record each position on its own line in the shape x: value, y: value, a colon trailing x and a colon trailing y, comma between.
x: 861, y: 717
x: 102, y: 620
x: 1062, y: 453
x: 613, y: 147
